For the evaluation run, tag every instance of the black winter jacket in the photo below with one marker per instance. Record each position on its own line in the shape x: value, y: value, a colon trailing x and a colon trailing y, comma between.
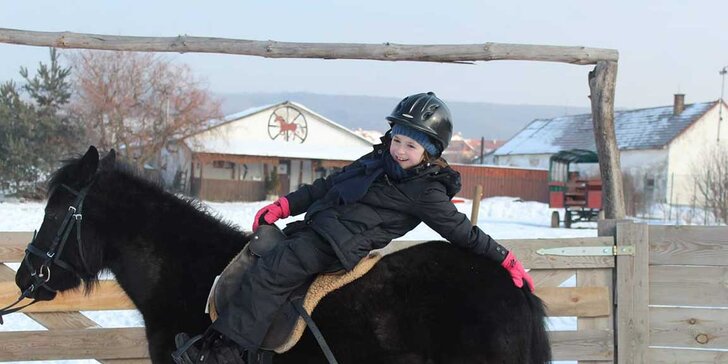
x: 389, y: 210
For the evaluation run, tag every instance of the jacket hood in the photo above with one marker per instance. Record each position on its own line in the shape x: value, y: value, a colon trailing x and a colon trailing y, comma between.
x: 449, y: 178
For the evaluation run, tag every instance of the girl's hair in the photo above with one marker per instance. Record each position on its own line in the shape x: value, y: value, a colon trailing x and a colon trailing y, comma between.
x: 439, y: 161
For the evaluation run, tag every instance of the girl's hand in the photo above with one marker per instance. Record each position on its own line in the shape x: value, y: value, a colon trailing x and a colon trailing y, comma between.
x: 515, y: 268
x: 271, y: 213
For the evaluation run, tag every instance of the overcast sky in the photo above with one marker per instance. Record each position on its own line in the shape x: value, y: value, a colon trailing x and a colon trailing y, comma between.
x: 665, y: 46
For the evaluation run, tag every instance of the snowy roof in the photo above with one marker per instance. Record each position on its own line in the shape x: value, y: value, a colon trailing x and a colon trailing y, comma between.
x: 242, y: 133
x: 651, y: 128
x: 214, y: 123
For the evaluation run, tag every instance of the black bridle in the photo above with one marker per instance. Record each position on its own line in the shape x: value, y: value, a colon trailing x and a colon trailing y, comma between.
x: 52, y: 256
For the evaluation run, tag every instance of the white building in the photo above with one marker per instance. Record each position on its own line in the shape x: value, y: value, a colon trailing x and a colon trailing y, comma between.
x: 234, y: 158
x: 660, y: 147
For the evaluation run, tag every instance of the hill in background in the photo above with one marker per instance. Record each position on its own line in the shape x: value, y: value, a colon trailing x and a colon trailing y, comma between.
x: 473, y: 120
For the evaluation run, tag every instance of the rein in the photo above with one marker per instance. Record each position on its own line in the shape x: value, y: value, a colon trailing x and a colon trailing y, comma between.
x: 51, y: 257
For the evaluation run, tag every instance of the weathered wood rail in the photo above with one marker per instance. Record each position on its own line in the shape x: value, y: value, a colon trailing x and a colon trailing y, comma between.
x: 669, y: 300
x: 73, y: 336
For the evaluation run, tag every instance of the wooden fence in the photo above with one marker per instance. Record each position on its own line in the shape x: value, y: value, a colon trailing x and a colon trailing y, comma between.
x: 528, y: 184
x: 227, y: 190
x: 669, y: 289
x: 688, y: 294
x: 73, y: 336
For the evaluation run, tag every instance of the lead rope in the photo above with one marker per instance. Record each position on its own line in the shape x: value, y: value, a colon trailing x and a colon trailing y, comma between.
x: 6, y: 311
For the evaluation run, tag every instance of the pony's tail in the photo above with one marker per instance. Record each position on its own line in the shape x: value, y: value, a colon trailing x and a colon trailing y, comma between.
x: 540, y: 345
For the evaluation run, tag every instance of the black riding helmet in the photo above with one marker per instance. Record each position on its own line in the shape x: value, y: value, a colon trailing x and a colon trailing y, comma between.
x: 427, y: 113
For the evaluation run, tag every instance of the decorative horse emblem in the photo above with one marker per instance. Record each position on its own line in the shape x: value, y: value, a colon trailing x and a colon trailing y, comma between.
x: 289, y: 123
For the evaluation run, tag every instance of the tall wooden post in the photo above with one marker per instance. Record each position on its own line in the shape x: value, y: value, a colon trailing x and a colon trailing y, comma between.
x: 602, y: 81
x: 633, y: 293
x: 476, y: 205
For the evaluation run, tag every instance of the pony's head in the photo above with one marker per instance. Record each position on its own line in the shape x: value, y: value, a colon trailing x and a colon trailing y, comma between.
x: 60, y: 256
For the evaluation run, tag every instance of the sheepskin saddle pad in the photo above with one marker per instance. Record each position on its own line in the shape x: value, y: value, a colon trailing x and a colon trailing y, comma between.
x: 288, y: 326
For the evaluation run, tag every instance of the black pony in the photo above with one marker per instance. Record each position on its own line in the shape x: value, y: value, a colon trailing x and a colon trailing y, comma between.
x: 432, y: 303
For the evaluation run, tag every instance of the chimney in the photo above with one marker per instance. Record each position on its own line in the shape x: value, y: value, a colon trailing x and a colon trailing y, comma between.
x: 679, y: 105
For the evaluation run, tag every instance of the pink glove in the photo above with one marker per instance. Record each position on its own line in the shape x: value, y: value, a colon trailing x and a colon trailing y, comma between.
x: 518, y: 274
x: 271, y: 213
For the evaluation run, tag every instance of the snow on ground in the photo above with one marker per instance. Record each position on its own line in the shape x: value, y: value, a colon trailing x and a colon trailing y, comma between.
x: 500, y: 217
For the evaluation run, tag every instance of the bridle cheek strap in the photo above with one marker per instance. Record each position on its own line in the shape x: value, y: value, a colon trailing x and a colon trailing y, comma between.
x: 50, y: 257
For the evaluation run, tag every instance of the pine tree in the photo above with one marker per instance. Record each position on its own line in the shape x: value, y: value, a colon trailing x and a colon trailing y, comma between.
x: 16, y: 157
x: 35, y: 134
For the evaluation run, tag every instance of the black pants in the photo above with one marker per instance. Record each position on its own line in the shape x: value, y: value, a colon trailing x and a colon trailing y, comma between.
x: 267, y: 285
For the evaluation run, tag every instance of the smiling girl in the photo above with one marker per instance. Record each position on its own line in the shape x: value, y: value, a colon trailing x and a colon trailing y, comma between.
x: 376, y: 199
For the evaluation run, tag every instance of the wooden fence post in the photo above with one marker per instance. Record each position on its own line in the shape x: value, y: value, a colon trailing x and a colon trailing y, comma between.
x: 602, y: 82
x: 476, y: 205
x: 632, y: 290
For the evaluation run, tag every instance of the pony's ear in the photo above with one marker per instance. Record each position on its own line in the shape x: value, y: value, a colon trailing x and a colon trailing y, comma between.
x: 107, y: 162
x: 89, y: 165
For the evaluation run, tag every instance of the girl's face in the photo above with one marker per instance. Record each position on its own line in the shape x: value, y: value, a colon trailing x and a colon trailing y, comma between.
x: 406, y: 151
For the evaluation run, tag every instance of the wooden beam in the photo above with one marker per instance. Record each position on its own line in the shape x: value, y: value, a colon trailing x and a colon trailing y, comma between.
x: 590, y: 278
x: 582, y: 345
x: 446, y: 53
x: 561, y: 301
x: 63, y: 320
x: 6, y: 273
x: 602, y: 82
x: 116, y: 343
x: 689, y: 245
x: 107, y: 296
x: 697, y: 328
x: 576, y: 301
x: 680, y: 355
x: 689, y: 286
x: 632, y: 285
x: 12, y: 245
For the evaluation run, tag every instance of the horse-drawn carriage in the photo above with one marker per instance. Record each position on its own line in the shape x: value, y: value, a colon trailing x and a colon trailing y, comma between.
x: 581, y: 198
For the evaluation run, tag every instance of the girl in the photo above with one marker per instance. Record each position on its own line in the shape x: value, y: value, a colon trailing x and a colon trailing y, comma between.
x: 371, y: 202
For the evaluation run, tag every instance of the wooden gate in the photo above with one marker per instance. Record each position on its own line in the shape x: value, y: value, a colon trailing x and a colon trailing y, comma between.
x: 688, y: 294
x: 671, y: 293
x: 72, y: 335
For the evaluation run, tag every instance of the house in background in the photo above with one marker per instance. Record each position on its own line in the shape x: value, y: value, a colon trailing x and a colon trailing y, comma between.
x: 241, y: 157
x: 488, y: 147
x: 460, y: 150
x: 659, y: 146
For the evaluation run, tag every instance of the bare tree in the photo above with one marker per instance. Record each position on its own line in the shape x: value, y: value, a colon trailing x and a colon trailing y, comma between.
x: 137, y: 102
x: 711, y: 183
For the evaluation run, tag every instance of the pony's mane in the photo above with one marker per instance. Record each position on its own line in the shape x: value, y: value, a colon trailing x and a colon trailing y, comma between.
x: 126, y: 175
x: 71, y: 166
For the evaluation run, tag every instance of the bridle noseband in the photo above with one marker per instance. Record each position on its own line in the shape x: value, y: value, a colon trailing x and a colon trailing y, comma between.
x: 52, y: 256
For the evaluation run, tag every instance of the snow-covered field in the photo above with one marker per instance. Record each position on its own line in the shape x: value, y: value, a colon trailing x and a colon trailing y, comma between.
x: 501, y: 217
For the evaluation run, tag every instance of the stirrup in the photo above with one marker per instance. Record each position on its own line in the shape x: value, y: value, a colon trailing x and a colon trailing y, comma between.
x: 214, y: 348
x: 183, y: 342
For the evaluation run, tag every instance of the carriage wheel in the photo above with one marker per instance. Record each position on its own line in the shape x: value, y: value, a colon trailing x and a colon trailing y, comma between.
x: 567, y: 219
x: 288, y: 123
x: 555, y: 219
